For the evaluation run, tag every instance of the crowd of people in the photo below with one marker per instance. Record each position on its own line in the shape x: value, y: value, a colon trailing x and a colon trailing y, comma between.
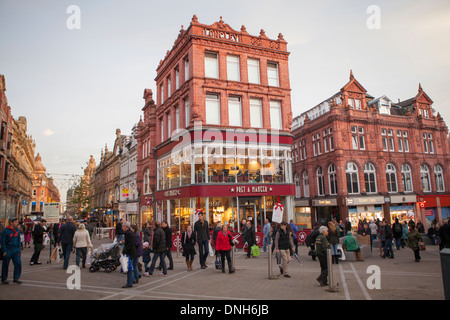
x: 156, y: 239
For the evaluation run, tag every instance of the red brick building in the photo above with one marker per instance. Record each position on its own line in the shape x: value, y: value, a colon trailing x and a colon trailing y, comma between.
x: 220, y: 130
x: 360, y: 157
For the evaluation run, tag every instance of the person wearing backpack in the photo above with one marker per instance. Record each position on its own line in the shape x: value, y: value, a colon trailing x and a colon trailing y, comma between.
x: 397, y: 230
x: 310, y: 240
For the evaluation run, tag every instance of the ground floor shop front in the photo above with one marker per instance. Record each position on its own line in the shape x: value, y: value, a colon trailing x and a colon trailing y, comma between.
x: 226, y: 204
x: 359, y: 208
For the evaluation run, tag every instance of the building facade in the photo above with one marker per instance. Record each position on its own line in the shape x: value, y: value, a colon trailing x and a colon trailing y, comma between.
x: 43, y: 188
x: 360, y: 157
x: 129, y: 199
x: 106, y: 186
x: 222, y: 128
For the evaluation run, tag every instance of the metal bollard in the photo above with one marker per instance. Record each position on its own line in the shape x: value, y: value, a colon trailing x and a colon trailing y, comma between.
x: 269, y: 250
x: 331, y: 287
x: 232, y: 257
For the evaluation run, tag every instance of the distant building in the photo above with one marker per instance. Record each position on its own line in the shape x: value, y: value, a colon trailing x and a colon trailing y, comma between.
x: 360, y: 157
x: 43, y: 188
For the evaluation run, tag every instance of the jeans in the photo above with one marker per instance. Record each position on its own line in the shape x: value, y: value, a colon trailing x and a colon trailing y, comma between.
x: 398, y: 243
x: 203, y: 249
x: 136, y: 273
x: 388, y: 248
x: 161, y: 256
x: 266, y: 241
x: 17, y: 262
x: 130, y: 273
x: 81, y: 253
x: 168, y: 254
x: 334, y: 251
x: 67, y: 248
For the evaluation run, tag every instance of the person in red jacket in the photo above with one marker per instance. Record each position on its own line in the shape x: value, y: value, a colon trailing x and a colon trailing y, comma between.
x: 223, y: 246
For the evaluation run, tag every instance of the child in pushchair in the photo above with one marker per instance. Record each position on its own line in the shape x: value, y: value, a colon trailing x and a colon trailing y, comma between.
x: 106, y: 257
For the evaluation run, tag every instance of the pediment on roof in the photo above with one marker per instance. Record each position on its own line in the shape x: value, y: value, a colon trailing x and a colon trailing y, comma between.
x: 222, y: 26
x: 353, y: 85
x: 423, y: 98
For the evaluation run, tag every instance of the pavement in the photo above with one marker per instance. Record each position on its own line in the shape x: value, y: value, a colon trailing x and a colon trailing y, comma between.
x: 400, y: 278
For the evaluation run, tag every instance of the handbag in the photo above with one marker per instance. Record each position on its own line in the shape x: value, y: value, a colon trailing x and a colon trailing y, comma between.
x: 211, y: 250
x: 124, y: 263
x: 421, y: 245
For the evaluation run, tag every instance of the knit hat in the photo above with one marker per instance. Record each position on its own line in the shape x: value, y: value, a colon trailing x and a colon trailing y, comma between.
x: 145, y: 245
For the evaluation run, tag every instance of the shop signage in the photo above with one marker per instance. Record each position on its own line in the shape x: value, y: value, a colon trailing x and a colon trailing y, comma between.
x: 364, y: 201
x: 429, y: 212
x: 125, y: 192
x: 251, y: 189
x: 172, y: 193
x: 148, y: 201
x: 404, y: 199
x: 325, y: 202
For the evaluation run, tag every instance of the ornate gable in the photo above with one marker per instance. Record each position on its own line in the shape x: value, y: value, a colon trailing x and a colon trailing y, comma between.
x: 353, y: 94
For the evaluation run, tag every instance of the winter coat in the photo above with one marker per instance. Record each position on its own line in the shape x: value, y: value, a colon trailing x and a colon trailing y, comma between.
x: 129, y: 247
x: 38, y: 234
x: 10, y: 241
x: 81, y: 239
x: 350, y: 243
x: 249, y: 236
x: 146, y: 255
x: 168, y: 233
x: 413, y: 239
x: 333, y: 237
x: 223, y: 241
x: 321, y: 245
x: 188, y: 244
x: 66, y: 232
x: 159, y: 241
x: 138, y: 244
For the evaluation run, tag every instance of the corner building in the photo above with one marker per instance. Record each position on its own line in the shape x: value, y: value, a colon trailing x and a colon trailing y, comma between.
x: 362, y: 157
x: 222, y: 138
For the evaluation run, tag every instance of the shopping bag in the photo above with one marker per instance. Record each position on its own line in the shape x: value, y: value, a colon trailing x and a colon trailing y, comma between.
x: 422, y: 246
x: 341, y: 252
x: 255, y: 250
x: 46, y: 241
x: 54, y: 254
x: 89, y: 257
x: 124, y: 263
x: 58, y: 255
x: 211, y: 250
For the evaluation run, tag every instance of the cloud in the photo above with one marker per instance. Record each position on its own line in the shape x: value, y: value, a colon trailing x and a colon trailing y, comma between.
x: 48, y: 133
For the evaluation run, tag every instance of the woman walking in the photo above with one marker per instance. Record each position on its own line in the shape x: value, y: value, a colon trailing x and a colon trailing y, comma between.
x: 223, y: 246
x: 27, y: 235
x: 188, y: 246
x: 413, y: 241
x: 81, y: 242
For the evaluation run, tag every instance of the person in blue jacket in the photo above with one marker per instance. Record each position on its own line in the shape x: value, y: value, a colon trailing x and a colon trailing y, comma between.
x: 11, y: 245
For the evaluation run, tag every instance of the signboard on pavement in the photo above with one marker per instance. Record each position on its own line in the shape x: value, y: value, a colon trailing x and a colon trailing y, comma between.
x: 51, y: 212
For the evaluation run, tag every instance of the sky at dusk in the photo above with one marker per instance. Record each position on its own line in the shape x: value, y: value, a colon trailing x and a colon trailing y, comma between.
x: 76, y: 87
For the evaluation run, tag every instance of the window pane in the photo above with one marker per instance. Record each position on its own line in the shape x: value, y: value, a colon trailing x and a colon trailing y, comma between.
x: 275, y: 115
x: 256, y: 113
x: 233, y: 68
x: 234, y: 111
x: 211, y: 65
x: 272, y: 74
x: 253, y: 70
x: 212, y: 109
x: 186, y: 110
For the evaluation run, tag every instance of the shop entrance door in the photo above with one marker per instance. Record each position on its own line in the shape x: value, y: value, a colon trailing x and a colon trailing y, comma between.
x: 249, y: 209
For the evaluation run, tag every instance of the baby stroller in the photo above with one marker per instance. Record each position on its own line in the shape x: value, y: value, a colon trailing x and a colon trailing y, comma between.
x: 106, y: 257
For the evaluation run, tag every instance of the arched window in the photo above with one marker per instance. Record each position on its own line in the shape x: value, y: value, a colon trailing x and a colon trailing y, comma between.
x: 147, y: 189
x: 425, y: 178
x: 332, y: 179
x: 297, y: 185
x: 116, y: 194
x: 351, y: 171
x: 407, y: 178
x: 320, y: 182
x: 391, y: 178
x: 439, y: 176
x: 370, y: 179
x: 305, y: 184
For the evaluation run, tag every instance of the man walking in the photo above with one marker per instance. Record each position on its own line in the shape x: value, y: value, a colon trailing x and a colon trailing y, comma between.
x: 201, y: 231
x: 159, y: 249
x: 38, y: 241
x: 119, y: 231
x: 321, y: 252
x: 66, y: 234
x: 11, y: 245
x: 387, y: 231
x: 283, y: 246
x: 267, y: 235
x: 167, y: 253
x: 129, y: 249
x: 249, y: 237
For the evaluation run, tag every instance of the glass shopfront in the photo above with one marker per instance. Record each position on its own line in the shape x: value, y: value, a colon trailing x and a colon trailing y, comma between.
x: 240, y: 163
x: 403, y: 212
x: 367, y: 213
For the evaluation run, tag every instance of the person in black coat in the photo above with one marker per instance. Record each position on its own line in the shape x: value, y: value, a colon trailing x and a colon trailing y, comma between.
x: 159, y: 249
x: 66, y: 233
x: 168, y: 252
x: 38, y: 239
x: 249, y: 237
x: 139, y: 252
x: 129, y: 249
x: 188, y: 241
